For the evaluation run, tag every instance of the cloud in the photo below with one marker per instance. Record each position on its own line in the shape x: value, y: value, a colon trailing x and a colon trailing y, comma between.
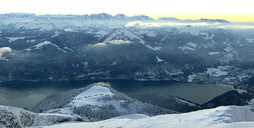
x: 112, y: 42
x: 237, y: 27
x: 3, y: 51
x: 140, y: 24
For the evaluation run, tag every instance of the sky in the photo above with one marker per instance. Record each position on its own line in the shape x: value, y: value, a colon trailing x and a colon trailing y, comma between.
x: 234, y: 10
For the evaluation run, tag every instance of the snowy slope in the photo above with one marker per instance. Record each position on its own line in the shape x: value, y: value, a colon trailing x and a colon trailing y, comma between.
x: 216, y: 72
x: 96, y: 102
x: 12, y: 117
x: 43, y: 44
x: 126, y: 35
x: 220, y: 117
x: 159, y: 59
x: 123, y: 34
x: 91, y: 96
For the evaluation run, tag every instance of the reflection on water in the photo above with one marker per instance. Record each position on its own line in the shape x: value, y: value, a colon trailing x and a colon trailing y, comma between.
x: 27, y: 94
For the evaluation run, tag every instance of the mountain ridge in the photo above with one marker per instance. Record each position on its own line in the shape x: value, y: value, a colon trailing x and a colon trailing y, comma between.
x: 106, y: 16
x: 100, y: 99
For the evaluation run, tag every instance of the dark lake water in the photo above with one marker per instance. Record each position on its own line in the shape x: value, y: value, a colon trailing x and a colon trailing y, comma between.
x: 26, y: 94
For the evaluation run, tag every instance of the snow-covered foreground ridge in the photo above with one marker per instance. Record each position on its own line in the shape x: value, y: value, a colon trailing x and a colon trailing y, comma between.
x: 220, y: 117
x: 13, y: 117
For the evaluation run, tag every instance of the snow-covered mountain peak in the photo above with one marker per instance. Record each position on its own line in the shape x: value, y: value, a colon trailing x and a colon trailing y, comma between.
x: 124, y: 34
x: 214, y: 20
x: 94, y: 100
x: 120, y: 17
x: 19, y: 15
x: 141, y: 17
x: 92, y: 96
x: 101, y: 16
x: 44, y: 44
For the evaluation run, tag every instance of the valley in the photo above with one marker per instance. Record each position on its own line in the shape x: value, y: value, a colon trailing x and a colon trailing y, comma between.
x: 102, y: 70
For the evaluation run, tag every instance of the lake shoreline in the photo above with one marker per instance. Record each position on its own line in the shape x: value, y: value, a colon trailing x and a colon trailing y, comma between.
x: 25, y: 94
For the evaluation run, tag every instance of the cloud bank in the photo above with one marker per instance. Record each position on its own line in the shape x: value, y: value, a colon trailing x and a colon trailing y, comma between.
x: 3, y: 51
x: 140, y: 24
x: 233, y: 25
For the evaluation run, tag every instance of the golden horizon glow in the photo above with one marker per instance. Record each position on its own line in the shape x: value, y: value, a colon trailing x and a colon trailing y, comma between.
x: 232, y: 10
x: 228, y: 17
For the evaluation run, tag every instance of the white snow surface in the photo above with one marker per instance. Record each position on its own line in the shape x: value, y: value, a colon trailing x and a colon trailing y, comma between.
x: 40, y: 45
x: 124, y: 36
x: 184, y: 48
x: 91, y: 96
x: 70, y: 30
x: 156, y: 48
x: 125, y: 32
x: 159, y: 59
x: 213, y: 53
x: 119, y: 34
x: 191, y: 77
x: 192, y: 44
x: 219, y: 71
x: 112, y: 42
x: 45, y: 43
x: 23, y: 118
x: 249, y: 40
x: 220, y: 117
x: 68, y: 49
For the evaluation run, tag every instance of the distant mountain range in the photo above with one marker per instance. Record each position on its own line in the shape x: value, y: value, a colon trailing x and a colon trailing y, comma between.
x: 103, y: 16
x: 101, y: 46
